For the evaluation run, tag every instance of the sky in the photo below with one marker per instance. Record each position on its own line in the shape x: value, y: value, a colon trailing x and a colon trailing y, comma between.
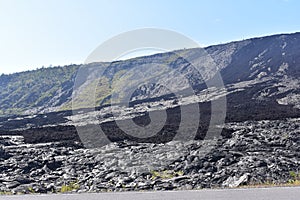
x: 41, y: 33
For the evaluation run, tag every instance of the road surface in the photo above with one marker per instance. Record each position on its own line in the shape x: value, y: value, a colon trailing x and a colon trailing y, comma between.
x: 276, y: 193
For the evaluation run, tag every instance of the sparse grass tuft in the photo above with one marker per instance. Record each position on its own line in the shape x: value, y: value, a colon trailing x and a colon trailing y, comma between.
x: 70, y: 187
x: 295, y: 178
x: 293, y: 181
x: 5, y: 193
x: 31, y: 190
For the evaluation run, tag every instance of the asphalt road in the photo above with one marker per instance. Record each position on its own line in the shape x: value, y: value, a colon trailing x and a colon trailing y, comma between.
x: 276, y: 193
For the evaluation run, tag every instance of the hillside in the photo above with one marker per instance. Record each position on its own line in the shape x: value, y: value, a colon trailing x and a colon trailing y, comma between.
x: 271, y: 61
x: 42, y: 88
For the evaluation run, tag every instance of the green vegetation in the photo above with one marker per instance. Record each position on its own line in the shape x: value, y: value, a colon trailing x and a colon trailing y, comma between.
x: 31, y: 190
x: 295, y: 178
x: 73, y: 186
x: 5, y: 193
x: 70, y: 187
x: 32, y: 89
x: 293, y: 181
x: 49, y: 88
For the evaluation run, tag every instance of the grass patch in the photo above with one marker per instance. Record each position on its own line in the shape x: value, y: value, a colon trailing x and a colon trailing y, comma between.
x: 31, y: 190
x: 293, y: 181
x: 5, y: 193
x: 271, y: 184
x: 295, y: 178
x: 70, y: 187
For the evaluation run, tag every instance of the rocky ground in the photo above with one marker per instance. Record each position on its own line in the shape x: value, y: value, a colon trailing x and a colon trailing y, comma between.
x: 256, y: 152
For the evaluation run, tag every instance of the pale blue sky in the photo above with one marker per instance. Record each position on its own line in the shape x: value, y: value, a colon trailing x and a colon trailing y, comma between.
x: 36, y: 33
